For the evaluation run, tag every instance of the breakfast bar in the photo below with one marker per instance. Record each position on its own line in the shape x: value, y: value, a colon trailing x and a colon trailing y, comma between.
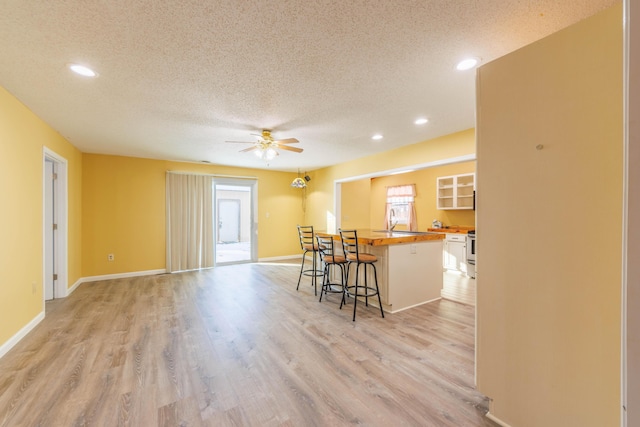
x: 409, y: 266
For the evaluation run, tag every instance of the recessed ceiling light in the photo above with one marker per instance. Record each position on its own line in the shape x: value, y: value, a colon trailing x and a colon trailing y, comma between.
x: 82, y: 70
x: 467, y: 64
x: 421, y: 121
x: 376, y: 137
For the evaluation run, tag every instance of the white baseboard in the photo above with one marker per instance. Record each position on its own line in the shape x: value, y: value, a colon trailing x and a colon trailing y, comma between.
x: 279, y: 258
x: 74, y: 286
x: 4, y: 348
x: 120, y: 275
x: 496, y: 420
x: 82, y: 280
x: 414, y: 305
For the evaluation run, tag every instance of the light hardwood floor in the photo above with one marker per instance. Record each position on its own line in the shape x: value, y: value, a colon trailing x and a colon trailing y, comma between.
x: 459, y: 287
x: 237, y: 345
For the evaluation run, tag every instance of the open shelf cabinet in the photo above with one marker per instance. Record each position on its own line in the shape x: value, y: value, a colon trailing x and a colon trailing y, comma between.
x: 456, y: 191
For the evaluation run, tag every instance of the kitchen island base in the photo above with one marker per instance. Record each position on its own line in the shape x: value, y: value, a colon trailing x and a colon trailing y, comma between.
x: 409, y: 267
x: 408, y: 274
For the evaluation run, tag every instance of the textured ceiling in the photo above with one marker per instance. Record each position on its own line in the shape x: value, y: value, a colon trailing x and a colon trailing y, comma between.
x: 179, y: 77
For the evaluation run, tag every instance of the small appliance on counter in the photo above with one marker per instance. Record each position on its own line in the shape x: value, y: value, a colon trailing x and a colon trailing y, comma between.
x: 436, y: 224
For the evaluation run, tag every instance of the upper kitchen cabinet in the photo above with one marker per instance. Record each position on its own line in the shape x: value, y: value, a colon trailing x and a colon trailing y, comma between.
x: 456, y: 191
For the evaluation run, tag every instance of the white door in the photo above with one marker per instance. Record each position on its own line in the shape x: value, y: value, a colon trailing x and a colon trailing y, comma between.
x: 228, y: 220
x: 49, y: 230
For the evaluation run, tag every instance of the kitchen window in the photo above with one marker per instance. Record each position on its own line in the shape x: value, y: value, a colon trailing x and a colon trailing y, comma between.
x: 400, y: 207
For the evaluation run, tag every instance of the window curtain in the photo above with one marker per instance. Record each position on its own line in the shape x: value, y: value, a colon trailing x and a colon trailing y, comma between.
x: 189, y: 222
x: 401, y: 195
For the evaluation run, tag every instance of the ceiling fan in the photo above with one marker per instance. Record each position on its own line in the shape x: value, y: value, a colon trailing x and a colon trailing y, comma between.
x: 267, y: 148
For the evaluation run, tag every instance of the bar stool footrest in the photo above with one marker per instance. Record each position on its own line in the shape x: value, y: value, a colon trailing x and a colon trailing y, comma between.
x: 335, y: 288
x: 318, y: 273
x: 363, y: 291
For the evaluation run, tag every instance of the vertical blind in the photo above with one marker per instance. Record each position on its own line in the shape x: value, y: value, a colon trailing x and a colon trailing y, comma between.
x: 189, y: 222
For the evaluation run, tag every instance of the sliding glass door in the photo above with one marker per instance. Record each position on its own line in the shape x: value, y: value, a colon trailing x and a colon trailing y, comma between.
x: 235, y: 217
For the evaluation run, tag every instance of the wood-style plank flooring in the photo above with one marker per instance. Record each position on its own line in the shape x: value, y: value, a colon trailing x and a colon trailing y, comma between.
x: 459, y: 287
x: 239, y: 346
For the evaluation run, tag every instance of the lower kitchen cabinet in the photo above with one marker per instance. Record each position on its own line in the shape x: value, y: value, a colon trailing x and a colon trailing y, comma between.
x: 455, y: 252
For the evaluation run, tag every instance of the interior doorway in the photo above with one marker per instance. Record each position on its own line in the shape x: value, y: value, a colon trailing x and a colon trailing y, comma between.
x: 235, y: 217
x: 50, y: 229
x: 54, y: 179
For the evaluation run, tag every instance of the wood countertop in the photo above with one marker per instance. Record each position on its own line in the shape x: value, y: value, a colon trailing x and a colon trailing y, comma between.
x: 382, y: 238
x: 460, y: 230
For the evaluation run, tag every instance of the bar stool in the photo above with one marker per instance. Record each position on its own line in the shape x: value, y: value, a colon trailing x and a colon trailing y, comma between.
x: 329, y: 259
x: 308, y: 244
x: 350, y: 246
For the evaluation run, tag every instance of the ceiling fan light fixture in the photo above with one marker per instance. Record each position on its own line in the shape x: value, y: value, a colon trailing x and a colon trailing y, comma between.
x: 266, y: 153
x: 270, y: 153
x: 266, y: 148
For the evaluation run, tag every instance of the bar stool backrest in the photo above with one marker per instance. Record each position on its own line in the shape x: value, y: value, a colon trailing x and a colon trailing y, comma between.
x: 350, y: 244
x: 327, y: 248
x: 306, y: 237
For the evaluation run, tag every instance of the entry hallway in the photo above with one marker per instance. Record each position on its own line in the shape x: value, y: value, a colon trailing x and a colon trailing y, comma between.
x: 237, y: 345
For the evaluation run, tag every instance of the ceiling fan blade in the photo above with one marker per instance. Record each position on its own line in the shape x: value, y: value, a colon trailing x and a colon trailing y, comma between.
x: 240, y: 142
x: 249, y: 149
x: 294, y: 149
x: 287, y: 141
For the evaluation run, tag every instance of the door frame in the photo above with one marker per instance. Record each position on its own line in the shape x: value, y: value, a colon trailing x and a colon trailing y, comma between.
x: 252, y: 183
x: 630, y: 293
x: 60, y: 212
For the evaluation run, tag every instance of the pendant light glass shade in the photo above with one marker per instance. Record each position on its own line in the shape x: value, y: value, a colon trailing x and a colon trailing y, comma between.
x: 298, y: 183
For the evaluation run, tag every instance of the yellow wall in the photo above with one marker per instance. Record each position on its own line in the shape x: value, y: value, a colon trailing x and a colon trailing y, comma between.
x: 356, y: 204
x: 548, y: 272
x: 320, y: 204
x: 22, y: 138
x: 425, y: 202
x: 124, y: 212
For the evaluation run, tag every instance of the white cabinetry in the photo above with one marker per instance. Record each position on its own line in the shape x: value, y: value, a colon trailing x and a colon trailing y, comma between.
x: 454, y: 255
x: 456, y: 191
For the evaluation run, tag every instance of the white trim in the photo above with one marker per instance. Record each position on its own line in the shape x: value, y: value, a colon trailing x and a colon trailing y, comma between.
x: 4, y: 348
x: 279, y: 258
x: 334, y: 226
x: 215, y: 175
x: 626, y: 33
x: 74, y: 287
x: 496, y: 420
x: 411, y: 306
x: 62, y: 214
x: 120, y: 276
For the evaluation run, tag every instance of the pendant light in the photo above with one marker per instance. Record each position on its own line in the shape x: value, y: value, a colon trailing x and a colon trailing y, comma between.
x: 299, y: 182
